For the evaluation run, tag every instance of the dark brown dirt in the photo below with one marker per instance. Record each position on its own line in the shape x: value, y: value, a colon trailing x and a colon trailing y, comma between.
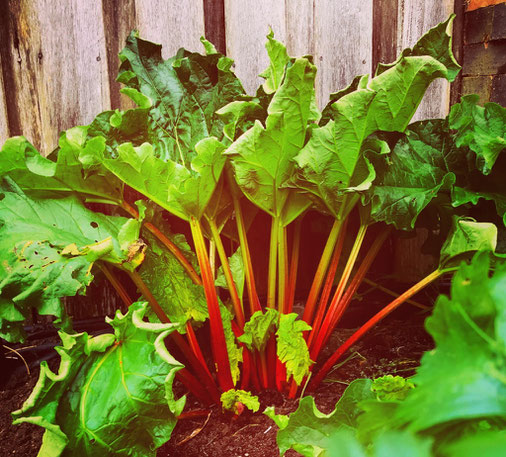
x: 394, y: 347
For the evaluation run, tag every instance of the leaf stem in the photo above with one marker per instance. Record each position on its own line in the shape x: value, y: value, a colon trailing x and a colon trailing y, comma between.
x: 254, y: 302
x: 111, y: 277
x: 282, y: 268
x: 218, y: 340
x: 321, y: 270
x: 238, y: 309
x: 273, y: 261
x: 178, y: 254
x: 371, y: 323
x: 176, y: 336
x: 294, y: 264
x: 324, y: 330
x: 329, y: 282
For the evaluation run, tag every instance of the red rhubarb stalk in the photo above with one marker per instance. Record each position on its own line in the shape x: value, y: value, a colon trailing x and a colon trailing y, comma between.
x: 371, y: 323
x: 218, y: 341
x: 236, y: 302
x: 320, y: 271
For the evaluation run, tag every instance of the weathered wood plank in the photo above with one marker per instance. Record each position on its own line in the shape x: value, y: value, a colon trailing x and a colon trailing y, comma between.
x: 384, y: 32
x: 343, y: 43
x: 59, y: 67
x: 214, y: 18
x: 119, y: 21
x: 247, y: 23
x: 415, y: 18
x: 173, y: 24
x: 4, y: 121
x: 299, y: 27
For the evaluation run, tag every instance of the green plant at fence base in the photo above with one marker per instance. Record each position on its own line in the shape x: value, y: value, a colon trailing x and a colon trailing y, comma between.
x: 198, y: 148
x: 454, y: 406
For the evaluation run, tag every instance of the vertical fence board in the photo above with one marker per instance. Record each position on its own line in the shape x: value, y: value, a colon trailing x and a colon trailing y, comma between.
x: 343, y: 43
x: 59, y: 67
x: 173, y: 24
x: 4, y: 123
x: 119, y: 21
x: 299, y: 27
x: 247, y: 24
x: 416, y: 18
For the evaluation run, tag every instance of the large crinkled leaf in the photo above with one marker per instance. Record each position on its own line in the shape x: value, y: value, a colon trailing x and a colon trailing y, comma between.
x: 484, y: 444
x: 291, y: 348
x: 37, y: 175
x: 183, y: 192
x: 112, y: 395
x: 309, y: 432
x: 422, y: 164
x: 278, y: 59
x: 465, y: 238
x: 387, y: 102
x: 185, y: 91
x: 262, y: 157
x: 259, y: 329
x: 463, y: 377
x: 179, y: 297
x: 47, y: 250
x: 481, y: 128
x: 389, y: 444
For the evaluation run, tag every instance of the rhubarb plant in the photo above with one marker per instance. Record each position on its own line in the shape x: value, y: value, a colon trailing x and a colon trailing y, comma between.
x: 454, y: 405
x: 198, y: 149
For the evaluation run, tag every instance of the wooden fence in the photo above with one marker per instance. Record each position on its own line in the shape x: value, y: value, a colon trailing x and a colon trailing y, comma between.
x: 59, y: 57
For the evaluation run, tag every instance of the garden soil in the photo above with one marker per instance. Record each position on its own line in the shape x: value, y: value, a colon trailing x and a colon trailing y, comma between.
x: 395, y: 347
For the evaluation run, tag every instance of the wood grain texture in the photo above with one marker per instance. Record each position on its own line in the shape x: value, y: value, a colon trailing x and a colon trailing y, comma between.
x: 343, y: 43
x: 414, y: 19
x: 119, y: 21
x: 299, y: 19
x: 173, y: 24
x: 214, y: 18
x: 4, y: 120
x: 247, y: 24
x: 384, y: 31
x: 59, y: 67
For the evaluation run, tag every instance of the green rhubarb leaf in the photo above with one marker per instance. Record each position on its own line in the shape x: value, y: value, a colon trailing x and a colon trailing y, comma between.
x: 185, y: 90
x: 387, y: 102
x: 292, y: 349
x: 179, y: 297
x: 238, y: 273
x: 481, y: 128
x: 469, y: 331
x: 47, y: 250
x: 278, y: 60
x: 262, y: 157
x: 239, y: 116
x: 19, y: 154
x: 234, y: 351
x: 310, y: 432
x: 391, y: 387
x: 465, y: 238
x: 259, y: 329
x: 112, y: 394
x: 462, y: 196
x: 183, y: 192
x: 38, y: 175
x: 231, y: 398
x: 423, y: 163
x: 388, y: 444
x: 484, y: 444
